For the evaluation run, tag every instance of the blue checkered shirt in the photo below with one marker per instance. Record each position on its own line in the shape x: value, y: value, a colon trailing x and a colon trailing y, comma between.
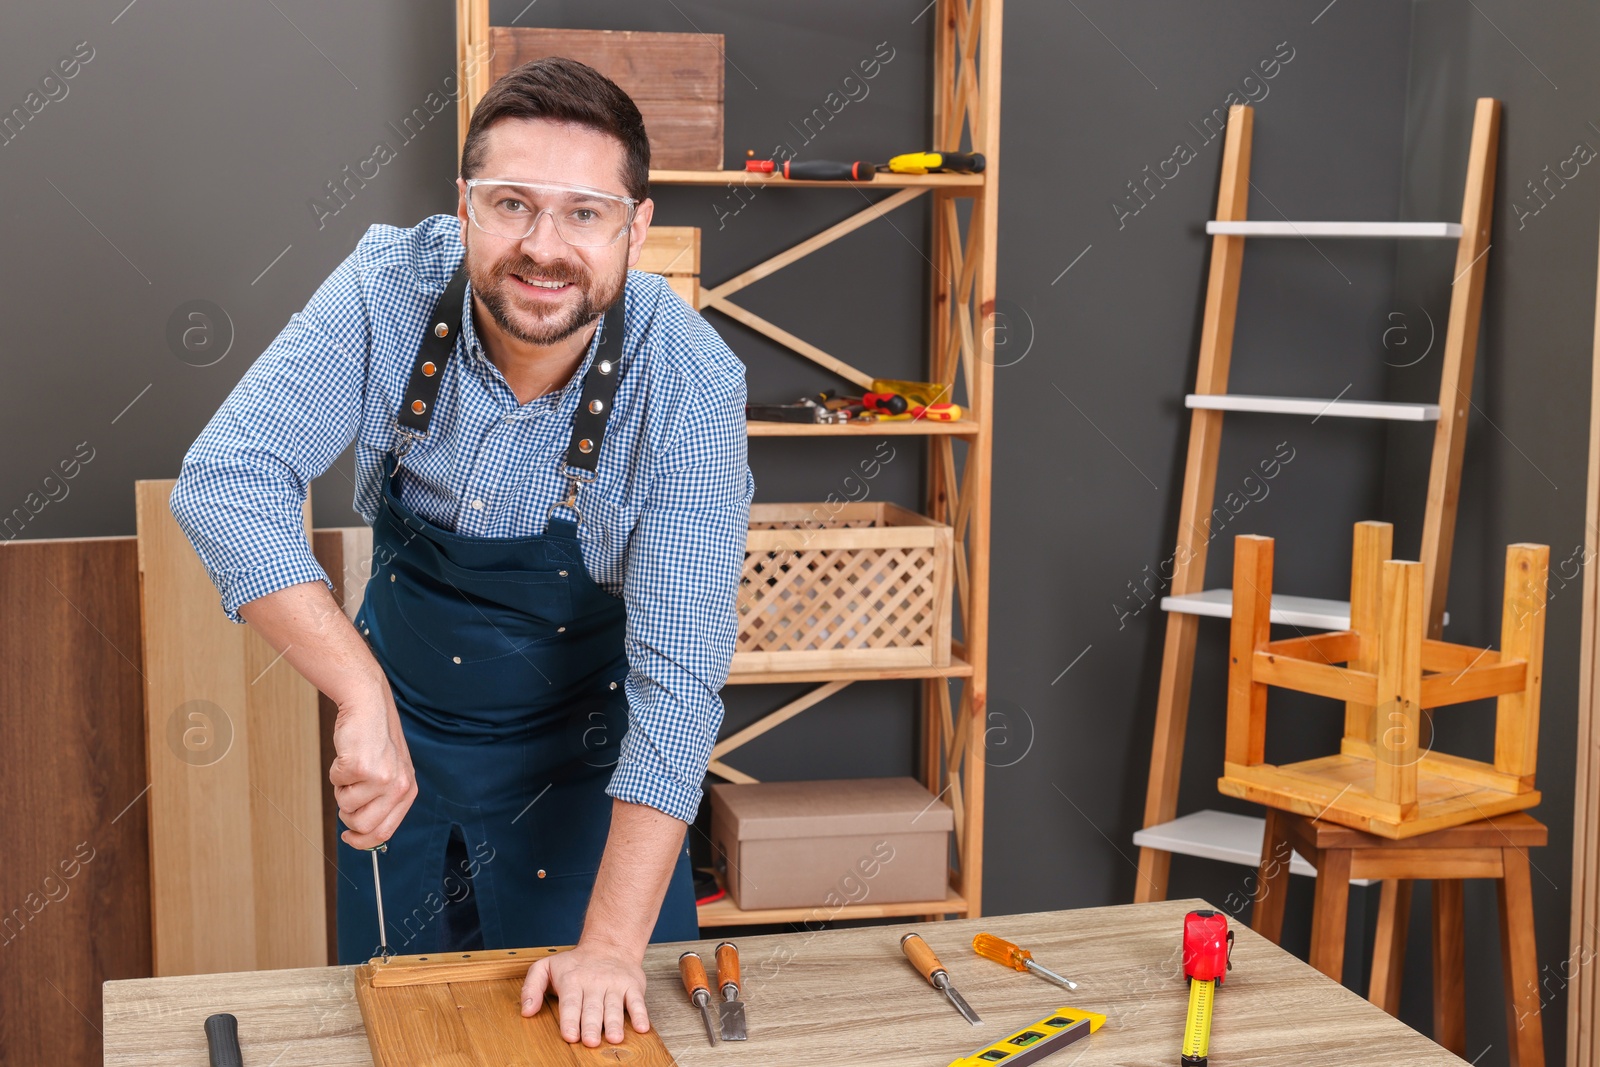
x: 664, y: 523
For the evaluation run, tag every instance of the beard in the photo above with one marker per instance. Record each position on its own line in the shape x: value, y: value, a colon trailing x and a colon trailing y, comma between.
x: 543, y: 326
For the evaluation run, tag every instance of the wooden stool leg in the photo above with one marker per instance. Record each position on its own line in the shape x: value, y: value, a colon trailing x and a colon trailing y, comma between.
x: 1272, y: 879
x: 1449, y: 966
x: 1389, y: 945
x: 1332, y: 907
x: 1519, y: 962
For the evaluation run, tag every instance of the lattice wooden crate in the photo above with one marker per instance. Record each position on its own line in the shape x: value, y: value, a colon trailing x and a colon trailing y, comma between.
x: 851, y: 586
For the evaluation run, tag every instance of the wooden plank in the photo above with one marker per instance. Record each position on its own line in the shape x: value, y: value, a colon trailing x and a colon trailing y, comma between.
x: 956, y: 184
x: 232, y: 737
x: 1319, y: 679
x: 724, y: 912
x: 958, y: 667
x: 1373, y: 542
x: 1398, y: 714
x: 1272, y: 878
x: 479, y: 965
x: 1516, y: 731
x: 75, y: 877
x: 1426, y: 863
x: 1585, y: 911
x: 1194, y: 509
x: 775, y: 718
x: 676, y: 79
x: 1478, y: 683
x: 787, y: 339
x: 1252, y: 607
x: 1519, y: 963
x: 1444, y: 656
x: 1460, y: 356
x: 472, y: 62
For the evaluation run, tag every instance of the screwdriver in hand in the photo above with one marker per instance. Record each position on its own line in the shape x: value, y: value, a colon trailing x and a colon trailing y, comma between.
x: 1000, y: 950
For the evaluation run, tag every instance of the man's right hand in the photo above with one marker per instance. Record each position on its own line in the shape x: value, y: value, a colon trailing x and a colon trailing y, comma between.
x: 373, y: 780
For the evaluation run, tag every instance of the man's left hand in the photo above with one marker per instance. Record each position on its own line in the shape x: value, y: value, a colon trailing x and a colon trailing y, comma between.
x: 595, y: 983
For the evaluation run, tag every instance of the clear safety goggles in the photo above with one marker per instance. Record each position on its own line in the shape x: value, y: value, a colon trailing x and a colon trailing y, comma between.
x: 582, y: 217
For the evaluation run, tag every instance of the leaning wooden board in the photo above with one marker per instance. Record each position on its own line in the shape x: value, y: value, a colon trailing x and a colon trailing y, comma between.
x: 849, y: 996
x: 464, y: 1009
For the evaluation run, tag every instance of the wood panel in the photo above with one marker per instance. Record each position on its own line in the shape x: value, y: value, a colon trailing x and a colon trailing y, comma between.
x: 675, y: 78
x: 75, y: 875
x: 234, y: 763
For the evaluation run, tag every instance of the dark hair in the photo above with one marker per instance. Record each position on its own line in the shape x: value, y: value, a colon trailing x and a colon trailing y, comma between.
x: 563, y: 90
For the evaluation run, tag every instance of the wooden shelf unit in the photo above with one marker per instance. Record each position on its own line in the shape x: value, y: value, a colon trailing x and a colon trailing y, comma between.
x: 966, y: 116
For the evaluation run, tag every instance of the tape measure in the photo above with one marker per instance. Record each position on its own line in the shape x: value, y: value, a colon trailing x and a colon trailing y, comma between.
x: 1033, y: 1043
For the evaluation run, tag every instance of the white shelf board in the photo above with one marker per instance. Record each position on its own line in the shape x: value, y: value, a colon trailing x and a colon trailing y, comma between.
x: 1287, y: 610
x: 1294, y: 405
x: 1335, y: 229
x: 1220, y: 835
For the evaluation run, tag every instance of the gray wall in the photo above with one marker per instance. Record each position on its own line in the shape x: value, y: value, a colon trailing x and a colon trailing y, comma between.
x: 182, y: 163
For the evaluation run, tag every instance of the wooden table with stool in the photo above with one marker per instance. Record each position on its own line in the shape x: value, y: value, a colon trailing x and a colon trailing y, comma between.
x: 838, y: 996
x: 1490, y: 848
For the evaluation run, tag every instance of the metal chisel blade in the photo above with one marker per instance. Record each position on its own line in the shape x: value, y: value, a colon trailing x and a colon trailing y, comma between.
x: 960, y: 1005
x: 733, y: 1028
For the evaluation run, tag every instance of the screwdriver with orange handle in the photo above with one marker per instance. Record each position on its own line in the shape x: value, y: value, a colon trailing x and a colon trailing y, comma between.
x: 1000, y: 950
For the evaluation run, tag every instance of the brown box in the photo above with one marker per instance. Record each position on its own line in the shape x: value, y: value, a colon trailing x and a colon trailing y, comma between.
x: 675, y: 78
x: 829, y: 843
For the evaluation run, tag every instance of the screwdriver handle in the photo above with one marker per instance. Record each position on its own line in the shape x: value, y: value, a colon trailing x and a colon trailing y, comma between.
x: 1001, y: 951
x: 222, y: 1040
x: 693, y: 973
x: 728, y: 966
x: 922, y: 957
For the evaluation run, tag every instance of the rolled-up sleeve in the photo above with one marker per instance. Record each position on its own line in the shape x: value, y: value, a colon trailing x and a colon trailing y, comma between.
x: 243, y: 484
x: 681, y: 587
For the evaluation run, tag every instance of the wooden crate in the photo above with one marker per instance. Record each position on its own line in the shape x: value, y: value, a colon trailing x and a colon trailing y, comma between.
x: 1384, y: 780
x: 675, y: 78
x: 829, y: 586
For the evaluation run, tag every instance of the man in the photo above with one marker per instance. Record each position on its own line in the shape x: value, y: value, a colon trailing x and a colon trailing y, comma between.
x: 552, y: 455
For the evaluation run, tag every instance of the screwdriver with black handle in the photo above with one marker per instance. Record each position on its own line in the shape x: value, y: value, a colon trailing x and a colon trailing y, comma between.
x: 928, y: 965
x: 814, y: 170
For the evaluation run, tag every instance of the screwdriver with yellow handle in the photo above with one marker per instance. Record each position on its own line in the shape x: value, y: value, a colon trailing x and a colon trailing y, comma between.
x: 1000, y: 950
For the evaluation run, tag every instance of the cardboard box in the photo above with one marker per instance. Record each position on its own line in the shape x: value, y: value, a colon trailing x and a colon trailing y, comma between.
x: 829, y: 843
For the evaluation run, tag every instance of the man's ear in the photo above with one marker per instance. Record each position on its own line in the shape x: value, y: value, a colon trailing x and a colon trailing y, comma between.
x: 461, y: 208
x: 638, y: 230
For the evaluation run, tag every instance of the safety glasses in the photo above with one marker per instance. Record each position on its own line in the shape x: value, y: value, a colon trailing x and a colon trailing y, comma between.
x: 586, y: 218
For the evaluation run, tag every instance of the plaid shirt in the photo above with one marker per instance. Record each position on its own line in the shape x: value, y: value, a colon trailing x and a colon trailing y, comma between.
x: 665, y: 522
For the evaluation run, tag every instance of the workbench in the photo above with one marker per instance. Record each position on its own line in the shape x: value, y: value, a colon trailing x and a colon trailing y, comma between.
x: 836, y: 996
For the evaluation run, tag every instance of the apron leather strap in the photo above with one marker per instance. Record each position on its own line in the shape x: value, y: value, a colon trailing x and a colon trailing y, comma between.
x: 439, y: 341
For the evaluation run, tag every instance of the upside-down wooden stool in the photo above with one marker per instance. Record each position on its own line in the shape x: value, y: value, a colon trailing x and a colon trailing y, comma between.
x: 1387, y: 806
x: 1490, y: 848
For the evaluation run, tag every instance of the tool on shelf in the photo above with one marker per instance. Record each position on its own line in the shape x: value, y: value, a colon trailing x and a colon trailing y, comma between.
x: 693, y: 973
x: 377, y: 889
x: 1000, y: 950
x: 936, y: 163
x: 1033, y: 1043
x: 814, y: 170
x: 222, y: 1040
x: 922, y: 957
x: 732, y: 1008
x: 1207, y: 957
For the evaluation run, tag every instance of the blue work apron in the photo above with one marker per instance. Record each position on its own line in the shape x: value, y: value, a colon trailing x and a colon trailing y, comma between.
x: 507, y: 665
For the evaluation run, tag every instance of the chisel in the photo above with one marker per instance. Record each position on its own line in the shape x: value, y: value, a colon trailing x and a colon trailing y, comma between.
x: 922, y: 957
x: 728, y: 984
x: 377, y: 889
x: 693, y: 973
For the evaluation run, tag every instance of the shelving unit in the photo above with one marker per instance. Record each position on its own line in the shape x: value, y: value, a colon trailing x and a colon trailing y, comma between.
x: 966, y: 116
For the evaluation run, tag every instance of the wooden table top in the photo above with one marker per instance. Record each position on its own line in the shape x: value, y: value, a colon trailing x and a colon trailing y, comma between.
x: 851, y: 996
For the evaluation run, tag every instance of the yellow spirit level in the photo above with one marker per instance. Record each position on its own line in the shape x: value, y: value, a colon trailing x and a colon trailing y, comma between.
x: 1033, y: 1043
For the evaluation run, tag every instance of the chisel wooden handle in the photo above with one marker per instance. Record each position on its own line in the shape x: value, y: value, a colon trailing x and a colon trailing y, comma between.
x: 922, y: 957
x: 727, y: 966
x: 694, y: 974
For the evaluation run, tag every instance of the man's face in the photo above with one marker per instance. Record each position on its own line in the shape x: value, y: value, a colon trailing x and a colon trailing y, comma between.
x: 540, y: 289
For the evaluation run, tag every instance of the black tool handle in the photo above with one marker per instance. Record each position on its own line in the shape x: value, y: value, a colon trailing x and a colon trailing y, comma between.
x: 823, y: 170
x: 962, y: 162
x: 222, y: 1038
